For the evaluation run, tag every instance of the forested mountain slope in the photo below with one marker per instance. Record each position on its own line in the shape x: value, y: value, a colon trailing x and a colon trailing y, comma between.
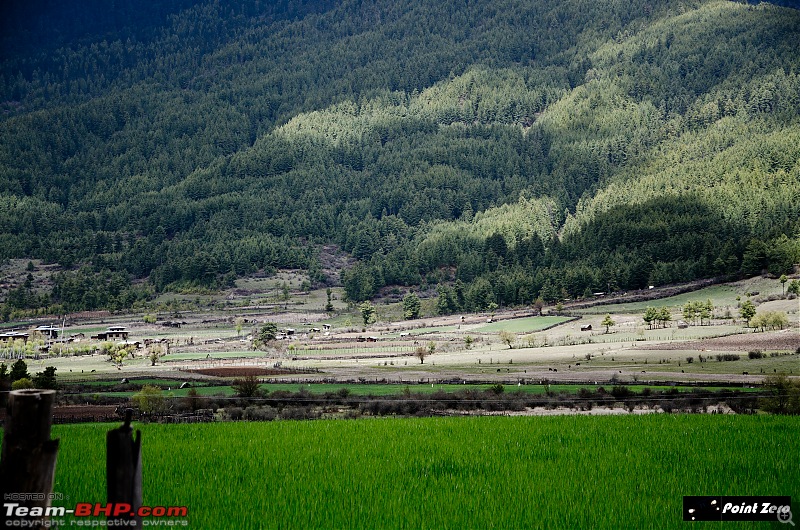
x: 504, y: 150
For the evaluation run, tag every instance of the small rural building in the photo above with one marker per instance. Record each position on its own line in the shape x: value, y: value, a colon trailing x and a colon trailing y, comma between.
x: 50, y: 332
x: 118, y: 333
x: 586, y: 327
x: 326, y: 327
x: 13, y: 335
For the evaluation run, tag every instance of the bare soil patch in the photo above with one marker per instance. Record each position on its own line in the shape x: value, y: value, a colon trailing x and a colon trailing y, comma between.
x: 85, y: 413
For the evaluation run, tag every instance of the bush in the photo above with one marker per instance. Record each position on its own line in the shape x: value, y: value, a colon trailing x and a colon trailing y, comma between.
x: 22, y: 383
x: 497, y: 389
x: 248, y: 386
x: 620, y: 391
x: 783, y: 395
x: 755, y: 354
x: 150, y: 399
x: 256, y: 413
x: 234, y: 413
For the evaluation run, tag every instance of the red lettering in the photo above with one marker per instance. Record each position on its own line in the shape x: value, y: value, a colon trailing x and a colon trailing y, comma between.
x: 121, y: 508
x: 159, y: 511
x: 105, y: 510
x: 177, y: 511
x: 83, y: 509
x: 144, y: 511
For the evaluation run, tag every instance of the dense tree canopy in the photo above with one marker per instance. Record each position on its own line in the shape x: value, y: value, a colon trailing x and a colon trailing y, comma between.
x: 502, y: 151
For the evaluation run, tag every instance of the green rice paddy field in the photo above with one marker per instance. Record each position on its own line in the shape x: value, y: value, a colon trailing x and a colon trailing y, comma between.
x: 481, y: 472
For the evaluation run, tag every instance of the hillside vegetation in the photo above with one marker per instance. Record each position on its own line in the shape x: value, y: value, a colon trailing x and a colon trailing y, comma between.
x: 502, y: 151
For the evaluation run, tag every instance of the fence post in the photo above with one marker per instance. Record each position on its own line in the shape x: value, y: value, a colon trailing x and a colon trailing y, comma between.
x: 124, y: 470
x: 28, y: 459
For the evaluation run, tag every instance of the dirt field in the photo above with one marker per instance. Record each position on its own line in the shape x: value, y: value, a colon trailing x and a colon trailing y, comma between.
x: 786, y: 340
x: 84, y: 413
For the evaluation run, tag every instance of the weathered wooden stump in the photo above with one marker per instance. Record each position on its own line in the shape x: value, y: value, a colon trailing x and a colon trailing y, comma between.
x: 28, y: 458
x: 124, y: 469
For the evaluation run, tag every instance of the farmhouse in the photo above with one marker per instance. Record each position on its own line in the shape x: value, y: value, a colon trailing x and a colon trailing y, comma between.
x: 50, y: 332
x: 586, y: 327
x: 119, y: 333
x: 14, y: 335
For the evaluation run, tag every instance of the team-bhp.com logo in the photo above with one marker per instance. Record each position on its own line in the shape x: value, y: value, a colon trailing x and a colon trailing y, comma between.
x: 738, y: 509
x: 115, y: 514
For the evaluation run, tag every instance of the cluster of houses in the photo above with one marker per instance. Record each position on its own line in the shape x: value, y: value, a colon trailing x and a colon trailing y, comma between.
x: 52, y: 335
x: 288, y: 333
x: 49, y: 333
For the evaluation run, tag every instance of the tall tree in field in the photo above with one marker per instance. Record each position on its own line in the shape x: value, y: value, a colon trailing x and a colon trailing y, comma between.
x: 650, y: 316
x: 368, y: 313
x: 46, y: 379
x: 267, y: 333
x: 19, y: 370
x: 506, y: 337
x: 411, y: 306
x: 420, y: 353
x: 664, y: 316
x: 607, y: 322
x: 748, y: 311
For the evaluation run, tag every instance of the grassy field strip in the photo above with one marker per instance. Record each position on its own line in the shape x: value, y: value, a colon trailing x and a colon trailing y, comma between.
x: 522, y: 325
x: 212, y: 355
x: 487, y: 472
x: 720, y: 295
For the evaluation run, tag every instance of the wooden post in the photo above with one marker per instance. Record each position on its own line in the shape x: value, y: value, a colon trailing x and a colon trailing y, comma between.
x: 28, y: 459
x: 124, y: 469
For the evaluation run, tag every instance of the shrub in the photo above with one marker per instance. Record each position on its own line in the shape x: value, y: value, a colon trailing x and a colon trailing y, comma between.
x: 247, y: 386
x: 149, y: 399
x: 22, y: 383
x: 620, y: 391
x: 497, y: 389
x: 755, y: 354
x: 256, y: 413
x: 783, y: 395
x: 234, y: 413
